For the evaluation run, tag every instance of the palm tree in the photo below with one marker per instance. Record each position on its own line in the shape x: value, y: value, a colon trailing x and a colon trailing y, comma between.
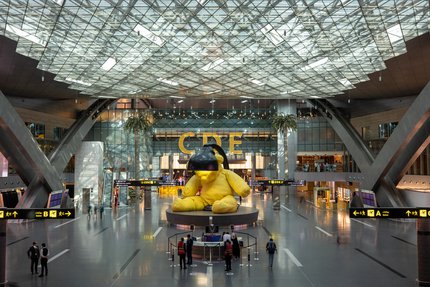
x: 282, y: 122
x: 139, y: 123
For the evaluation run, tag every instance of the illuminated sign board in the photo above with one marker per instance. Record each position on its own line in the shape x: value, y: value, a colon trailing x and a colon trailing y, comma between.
x: 390, y: 212
x: 232, y: 141
x: 37, y: 213
x: 143, y: 182
x: 275, y: 182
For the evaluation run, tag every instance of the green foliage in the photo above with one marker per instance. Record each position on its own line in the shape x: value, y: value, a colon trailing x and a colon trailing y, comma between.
x: 141, y: 121
x: 282, y: 122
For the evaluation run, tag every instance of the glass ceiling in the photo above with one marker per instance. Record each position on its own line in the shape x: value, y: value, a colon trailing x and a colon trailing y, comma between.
x: 212, y: 48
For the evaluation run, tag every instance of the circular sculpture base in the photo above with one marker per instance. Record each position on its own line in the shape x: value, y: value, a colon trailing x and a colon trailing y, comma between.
x: 244, y: 215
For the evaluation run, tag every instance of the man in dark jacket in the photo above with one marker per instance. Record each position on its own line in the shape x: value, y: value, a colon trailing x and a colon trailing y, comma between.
x: 189, y: 249
x: 34, y: 254
x: 44, y: 260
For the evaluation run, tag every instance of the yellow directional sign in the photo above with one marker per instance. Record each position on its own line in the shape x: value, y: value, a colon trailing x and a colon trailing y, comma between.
x: 389, y: 212
x: 37, y: 213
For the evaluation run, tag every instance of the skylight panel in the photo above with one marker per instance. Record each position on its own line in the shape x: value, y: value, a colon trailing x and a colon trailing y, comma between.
x: 345, y: 82
x: 169, y: 82
x: 395, y: 33
x: 290, y: 91
x: 272, y: 34
x: 59, y: 2
x: 246, y: 97
x: 109, y: 64
x: 25, y: 35
x: 149, y: 35
x: 212, y: 65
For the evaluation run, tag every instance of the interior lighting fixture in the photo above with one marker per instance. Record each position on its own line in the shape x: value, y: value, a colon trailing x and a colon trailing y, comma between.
x: 178, y: 97
x: 290, y: 91
x: 349, y: 100
x: 148, y: 35
x: 255, y: 81
x: 246, y: 97
x: 316, y: 64
x: 212, y: 101
x: 180, y: 101
x: 315, y: 97
x: 25, y: 35
x: 213, y: 92
x: 109, y: 64
x: 78, y: 82
x: 244, y: 101
x: 212, y: 65
x: 169, y: 82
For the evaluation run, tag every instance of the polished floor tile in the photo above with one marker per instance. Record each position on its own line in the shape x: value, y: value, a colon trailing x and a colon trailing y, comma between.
x: 128, y: 247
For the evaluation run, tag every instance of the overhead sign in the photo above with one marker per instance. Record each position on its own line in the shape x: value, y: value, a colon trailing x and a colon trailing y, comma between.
x: 142, y: 182
x: 390, y: 212
x: 37, y: 213
x: 275, y: 182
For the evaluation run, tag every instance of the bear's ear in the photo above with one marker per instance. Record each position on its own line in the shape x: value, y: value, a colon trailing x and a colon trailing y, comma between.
x: 219, y: 158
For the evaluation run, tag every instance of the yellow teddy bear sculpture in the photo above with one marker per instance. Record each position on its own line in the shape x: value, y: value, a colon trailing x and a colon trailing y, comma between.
x: 216, y: 185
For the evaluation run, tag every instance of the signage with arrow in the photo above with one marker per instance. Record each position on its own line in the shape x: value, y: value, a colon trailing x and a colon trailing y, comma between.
x: 37, y: 213
x: 389, y: 212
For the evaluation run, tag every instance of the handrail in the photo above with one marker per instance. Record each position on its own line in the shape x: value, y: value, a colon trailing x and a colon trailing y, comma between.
x: 169, y: 245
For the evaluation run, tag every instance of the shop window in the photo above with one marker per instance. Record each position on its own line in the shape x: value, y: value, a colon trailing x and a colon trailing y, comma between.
x: 37, y: 130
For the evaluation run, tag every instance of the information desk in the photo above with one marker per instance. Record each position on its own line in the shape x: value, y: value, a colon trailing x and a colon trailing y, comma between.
x: 207, y: 250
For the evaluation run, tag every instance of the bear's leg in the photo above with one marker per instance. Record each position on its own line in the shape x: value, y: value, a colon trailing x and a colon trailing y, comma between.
x: 228, y: 204
x: 188, y: 204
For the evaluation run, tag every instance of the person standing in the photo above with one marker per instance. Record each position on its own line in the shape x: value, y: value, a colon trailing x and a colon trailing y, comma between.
x: 236, y: 246
x: 44, y: 260
x: 271, y: 249
x: 181, y: 252
x: 89, y: 211
x: 33, y: 254
x: 189, y: 249
x: 228, y: 253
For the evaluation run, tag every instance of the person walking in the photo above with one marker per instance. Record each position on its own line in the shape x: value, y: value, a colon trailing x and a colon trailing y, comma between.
x: 89, y: 211
x: 181, y: 252
x: 44, y: 260
x: 95, y: 211
x: 189, y: 249
x: 33, y: 254
x: 228, y: 253
x: 271, y: 249
x: 101, y: 211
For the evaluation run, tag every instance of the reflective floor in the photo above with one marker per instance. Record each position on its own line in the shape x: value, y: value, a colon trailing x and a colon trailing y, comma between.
x: 128, y: 247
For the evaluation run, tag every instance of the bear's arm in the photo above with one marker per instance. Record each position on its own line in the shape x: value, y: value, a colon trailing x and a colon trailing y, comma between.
x: 191, y: 187
x: 237, y: 183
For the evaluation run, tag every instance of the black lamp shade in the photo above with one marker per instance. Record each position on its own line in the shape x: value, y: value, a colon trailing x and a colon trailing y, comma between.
x: 203, y: 160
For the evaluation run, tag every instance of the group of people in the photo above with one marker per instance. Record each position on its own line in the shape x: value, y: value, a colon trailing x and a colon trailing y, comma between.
x: 90, y: 211
x: 185, y: 248
x: 231, y: 249
x: 34, y: 254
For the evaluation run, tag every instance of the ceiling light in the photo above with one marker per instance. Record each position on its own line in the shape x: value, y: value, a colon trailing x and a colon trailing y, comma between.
x: 109, y: 64
x: 244, y: 101
x: 180, y: 101
x: 213, y: 92
x: 212, y: 101
x: 177, y: 97
x: 255, y: 81
x: 246, y: 97
x: 149, y: 35
x: 212, y: 65
x: 316, y: 64
x: 166, y: 81
x: 290, y: 91
x: 78, y: 81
